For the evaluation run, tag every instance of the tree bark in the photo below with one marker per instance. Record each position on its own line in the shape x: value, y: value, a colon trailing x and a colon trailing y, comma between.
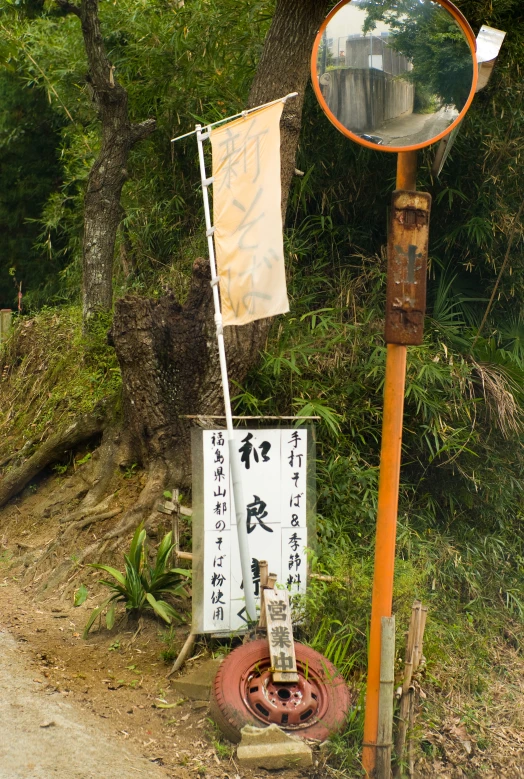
x: 284, y: 67
x: 102, y: 211
x: 169, y: 362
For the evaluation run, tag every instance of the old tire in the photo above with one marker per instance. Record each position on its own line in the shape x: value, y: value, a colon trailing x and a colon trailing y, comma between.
x: 243, y: 694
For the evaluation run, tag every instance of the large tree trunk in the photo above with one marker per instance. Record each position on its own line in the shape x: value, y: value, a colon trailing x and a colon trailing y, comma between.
x: 283, y: 68
x: 102, y: 210
x: 168, y: 353
x: 169, y: 362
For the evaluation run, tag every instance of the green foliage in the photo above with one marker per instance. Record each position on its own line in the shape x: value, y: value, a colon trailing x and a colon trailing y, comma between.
x: 431, y: 39
x: 140, y: 586
x: 51, y: 374
x: 180, y: 63
x: 80, y: 595
x: 30, y: 170
x: 171, y: 643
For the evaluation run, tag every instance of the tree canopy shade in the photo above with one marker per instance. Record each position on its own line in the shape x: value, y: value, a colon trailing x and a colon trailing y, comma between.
x: 30, y: 172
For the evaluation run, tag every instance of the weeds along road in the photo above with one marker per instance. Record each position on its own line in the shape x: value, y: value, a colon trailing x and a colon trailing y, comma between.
x: 46, y: 737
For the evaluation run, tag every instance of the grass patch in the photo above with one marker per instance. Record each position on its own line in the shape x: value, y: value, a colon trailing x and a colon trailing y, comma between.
x: 51, y: 374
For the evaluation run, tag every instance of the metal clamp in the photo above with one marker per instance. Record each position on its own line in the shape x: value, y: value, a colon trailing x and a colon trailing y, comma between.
x: 218, y: 323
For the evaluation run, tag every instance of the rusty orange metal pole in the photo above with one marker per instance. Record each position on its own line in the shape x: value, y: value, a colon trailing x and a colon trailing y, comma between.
x: 388, y: 490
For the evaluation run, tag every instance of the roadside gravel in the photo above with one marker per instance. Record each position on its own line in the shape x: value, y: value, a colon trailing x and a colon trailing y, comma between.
x: 46, y: 737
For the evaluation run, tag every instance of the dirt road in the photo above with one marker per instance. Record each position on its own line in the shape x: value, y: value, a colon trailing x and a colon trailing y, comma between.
x: 44, y: 736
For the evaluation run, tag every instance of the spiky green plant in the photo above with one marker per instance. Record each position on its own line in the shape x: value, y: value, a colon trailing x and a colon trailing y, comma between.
x: 141, y: 584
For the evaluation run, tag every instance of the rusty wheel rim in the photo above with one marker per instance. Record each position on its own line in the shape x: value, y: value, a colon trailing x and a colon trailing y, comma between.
x: 291, y: 705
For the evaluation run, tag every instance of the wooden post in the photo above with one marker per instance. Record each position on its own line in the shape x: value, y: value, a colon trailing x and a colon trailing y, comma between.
x: 280, y: 636
x: 385, y: 705
x: 175, y: 525
x: 183, y: 654
x: 269, y: 583
x: 263, y: 570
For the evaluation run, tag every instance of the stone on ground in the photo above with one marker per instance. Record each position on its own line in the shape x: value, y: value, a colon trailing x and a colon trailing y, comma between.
x: 196, y: 685
x: 272, y: 749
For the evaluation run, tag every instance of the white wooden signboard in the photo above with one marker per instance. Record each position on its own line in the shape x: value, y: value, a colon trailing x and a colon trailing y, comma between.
x: 275, y: 467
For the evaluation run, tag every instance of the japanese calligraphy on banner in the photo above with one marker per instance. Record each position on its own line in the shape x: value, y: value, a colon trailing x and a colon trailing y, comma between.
x: 275, y: 480
x: 247, y: 217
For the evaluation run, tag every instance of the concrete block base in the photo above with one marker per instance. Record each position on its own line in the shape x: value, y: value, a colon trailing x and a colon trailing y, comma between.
x: 271, y: 748
x: 196, y: 685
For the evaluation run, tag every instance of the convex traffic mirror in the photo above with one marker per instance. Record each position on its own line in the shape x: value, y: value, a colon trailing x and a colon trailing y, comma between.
x: 395, y: 75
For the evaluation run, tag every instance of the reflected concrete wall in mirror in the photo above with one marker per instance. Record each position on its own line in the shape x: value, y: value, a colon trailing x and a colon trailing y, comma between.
x: 394, y: 72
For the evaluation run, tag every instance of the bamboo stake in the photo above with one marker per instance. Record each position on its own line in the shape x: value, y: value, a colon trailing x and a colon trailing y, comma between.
x: 415, y: 690
x: 402, y: 728
x: 263, y: 569
x: 385, y: 703
x: 420, y: 640
x: 411, y: 723
x: 407, y: 702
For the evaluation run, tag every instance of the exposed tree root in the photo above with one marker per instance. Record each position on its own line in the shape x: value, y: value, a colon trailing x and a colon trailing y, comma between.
x: 142, y: 511
x: 114, y: 452
x: 51, y: 450
x: 88, y: 512
x: 83, y: 523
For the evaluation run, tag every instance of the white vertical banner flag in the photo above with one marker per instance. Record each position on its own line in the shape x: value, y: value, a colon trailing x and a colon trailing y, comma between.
x: 247, y: 217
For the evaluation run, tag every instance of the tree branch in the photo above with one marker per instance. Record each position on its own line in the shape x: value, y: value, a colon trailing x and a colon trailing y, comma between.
x: 71, y: 8
x: 142, y: 130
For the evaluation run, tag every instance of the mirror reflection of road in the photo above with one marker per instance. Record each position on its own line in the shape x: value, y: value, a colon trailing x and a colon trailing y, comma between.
x: 411, y: 129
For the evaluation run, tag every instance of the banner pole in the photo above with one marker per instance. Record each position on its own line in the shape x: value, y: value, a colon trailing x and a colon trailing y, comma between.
x: 234, y: 463
x: 246, y: 112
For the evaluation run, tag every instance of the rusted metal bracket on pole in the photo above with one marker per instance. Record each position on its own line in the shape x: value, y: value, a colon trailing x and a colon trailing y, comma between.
x: 407, y: 267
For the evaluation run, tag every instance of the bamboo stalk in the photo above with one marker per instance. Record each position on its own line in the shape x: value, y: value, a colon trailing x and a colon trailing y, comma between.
x: 385, y: 703
x: 413, y: 658
x: 403, y: 717
x: 411, y: 743
x: 411, y: 643
x: 420, y: 640
x: 263, y: 566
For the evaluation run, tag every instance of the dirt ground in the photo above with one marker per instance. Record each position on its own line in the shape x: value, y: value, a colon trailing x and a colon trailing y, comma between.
x: 44, y: 734
x: 115, y: 682
x: 117, y: 695
x: 113, y: 707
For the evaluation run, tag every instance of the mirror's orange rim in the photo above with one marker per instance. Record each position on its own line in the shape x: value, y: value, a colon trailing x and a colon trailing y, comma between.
x: 470, y: 36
